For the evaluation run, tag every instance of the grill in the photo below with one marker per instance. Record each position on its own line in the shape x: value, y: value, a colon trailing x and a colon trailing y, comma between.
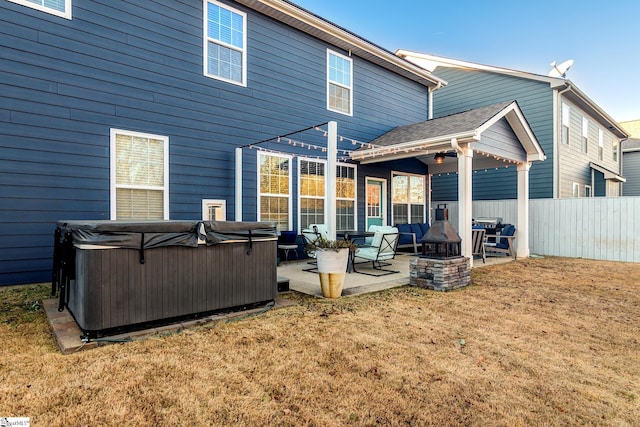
x: 442, y: 240
x: 493, y: 225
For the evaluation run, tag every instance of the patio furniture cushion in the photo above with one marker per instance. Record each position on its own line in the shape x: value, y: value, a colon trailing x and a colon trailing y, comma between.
x: 415, y: 229
x: 424, y: 227
x: 405, y: 237
x: 508, y: 230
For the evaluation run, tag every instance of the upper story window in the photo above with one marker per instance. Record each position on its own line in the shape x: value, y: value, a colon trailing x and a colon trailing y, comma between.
x: 225, y: 39
x: 60, y: 8
x: 615, y: 150
x: 339, y: 83
x: 585, y: 134
x: 139, y: 175
x: 274, y: 184
x: 600, y: 144
x: 566, y: 115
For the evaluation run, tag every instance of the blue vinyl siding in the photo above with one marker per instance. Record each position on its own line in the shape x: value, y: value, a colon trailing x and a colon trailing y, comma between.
x: 472, y: 89
x: 138, y: 66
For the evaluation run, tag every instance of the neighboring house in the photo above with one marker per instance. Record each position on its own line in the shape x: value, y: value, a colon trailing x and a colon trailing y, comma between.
x: 580, y: 140
x: 632, y: 127
x: 134, y: 110
x: 631, y: 167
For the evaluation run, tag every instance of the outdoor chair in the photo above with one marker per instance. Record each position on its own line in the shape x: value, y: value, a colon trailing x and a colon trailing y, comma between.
x: 478, y: 237
x: 383, y: 248
x: 311, y: 235
x: 504, y: 242
x: 287, y: 243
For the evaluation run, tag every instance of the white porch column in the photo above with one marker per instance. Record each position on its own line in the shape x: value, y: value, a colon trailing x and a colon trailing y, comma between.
x: 238, y: 184
x: 465, y: 197
x: 332, y: 159
x: 522, y: 248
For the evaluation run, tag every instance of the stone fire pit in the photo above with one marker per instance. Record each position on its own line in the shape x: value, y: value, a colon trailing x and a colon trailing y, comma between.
x: 440, y: 274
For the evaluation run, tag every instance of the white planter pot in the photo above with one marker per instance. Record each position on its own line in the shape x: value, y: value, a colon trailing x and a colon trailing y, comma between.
x: 331, y: 261
x: 332, y: 266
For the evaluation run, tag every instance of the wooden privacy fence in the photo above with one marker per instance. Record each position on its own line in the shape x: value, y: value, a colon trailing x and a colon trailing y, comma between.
x: 604, y: 228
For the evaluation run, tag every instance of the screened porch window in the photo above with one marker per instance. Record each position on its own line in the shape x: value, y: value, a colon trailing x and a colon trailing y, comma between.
x: 274, y: 195
x: 139, y: 175
x: 408, y: 198
x: 345, y: 197
x: 312, y: 192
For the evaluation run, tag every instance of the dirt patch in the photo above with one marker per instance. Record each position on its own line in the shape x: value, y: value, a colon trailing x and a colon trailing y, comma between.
x: 549, y: 341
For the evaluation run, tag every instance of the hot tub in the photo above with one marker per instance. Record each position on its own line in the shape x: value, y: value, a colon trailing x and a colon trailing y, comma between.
x: 113, y: 274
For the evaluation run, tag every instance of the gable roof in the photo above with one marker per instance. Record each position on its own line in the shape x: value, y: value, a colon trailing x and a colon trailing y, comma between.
x: 568, y: 88
x: 437, y: 135
x: 297, y: 17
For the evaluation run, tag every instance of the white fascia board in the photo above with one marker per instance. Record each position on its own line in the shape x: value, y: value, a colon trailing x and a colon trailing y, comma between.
x: 429, y: 145
x: 455, y: 63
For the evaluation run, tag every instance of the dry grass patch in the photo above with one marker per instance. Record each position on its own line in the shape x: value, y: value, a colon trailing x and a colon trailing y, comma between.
x: 536, y: 342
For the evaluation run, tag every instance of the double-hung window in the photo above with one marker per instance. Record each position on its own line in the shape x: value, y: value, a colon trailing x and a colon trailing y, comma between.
x: 566, y: 118
x: 139, y: 175
x: 408, y: 198
x: 600, y: 144
x: 345, y: 197
x: 339, y: 83
x: 615, y: 150
x: 60, y: 8
x: 585, y: 135
x: 274, y: 183
x: 225, y: 40
x: 312, y: 192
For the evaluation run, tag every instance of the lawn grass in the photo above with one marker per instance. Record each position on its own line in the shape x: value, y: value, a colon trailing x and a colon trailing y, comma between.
x: 550, y: 341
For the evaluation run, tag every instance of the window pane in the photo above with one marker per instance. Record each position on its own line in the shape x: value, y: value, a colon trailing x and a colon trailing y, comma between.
x: 139, y: 204
x: 400, y: 189
x: 226, y: 43
x: 311, y: 212
x: 339, y: 98
x: 416, y: 193
x: 345, y: 215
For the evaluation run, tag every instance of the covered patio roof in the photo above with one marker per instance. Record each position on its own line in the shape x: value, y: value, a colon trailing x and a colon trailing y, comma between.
x: 491, y: 136
x: 476, y: 128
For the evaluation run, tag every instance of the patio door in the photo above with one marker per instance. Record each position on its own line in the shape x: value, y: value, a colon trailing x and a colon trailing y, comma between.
x: 376, y: 191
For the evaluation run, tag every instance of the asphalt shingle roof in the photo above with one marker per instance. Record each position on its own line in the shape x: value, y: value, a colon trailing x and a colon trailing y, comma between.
x: 467, y: 121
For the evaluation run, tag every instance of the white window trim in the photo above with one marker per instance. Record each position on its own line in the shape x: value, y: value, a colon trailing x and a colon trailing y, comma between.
x: 350, y: 87
x: 213, y: 202
x: 424, y: 178
x: 205, y: 44
x: 258, y: 193
x: 575, y: 190
x: 299, y: 184
x: 112, y: 164
x: 600, y: 144
x: 67, y: 8
x: 587, y: 189
x: 566, y: 122
x: 355, y: 192
x: 585, y: 134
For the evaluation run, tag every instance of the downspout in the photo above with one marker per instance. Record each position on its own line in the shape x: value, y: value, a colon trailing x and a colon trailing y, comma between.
x: 430, y: 91
x: 557, y: 114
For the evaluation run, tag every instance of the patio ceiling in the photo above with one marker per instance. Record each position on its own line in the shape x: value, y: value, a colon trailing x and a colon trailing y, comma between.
x: 474, y: 128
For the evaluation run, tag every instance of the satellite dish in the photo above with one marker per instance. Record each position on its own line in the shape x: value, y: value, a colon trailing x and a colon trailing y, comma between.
x: 560, y: 70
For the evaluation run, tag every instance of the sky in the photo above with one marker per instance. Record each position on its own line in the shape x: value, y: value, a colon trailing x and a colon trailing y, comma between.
x: 603, y: 38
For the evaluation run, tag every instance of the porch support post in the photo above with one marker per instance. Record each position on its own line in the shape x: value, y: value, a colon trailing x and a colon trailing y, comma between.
x: 238, y: 184
x: 465, y: 197
x: 522, y: 248
x: 332, y: 159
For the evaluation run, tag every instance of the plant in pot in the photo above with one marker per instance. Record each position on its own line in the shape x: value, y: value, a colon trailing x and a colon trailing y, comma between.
x: 332, y: 257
